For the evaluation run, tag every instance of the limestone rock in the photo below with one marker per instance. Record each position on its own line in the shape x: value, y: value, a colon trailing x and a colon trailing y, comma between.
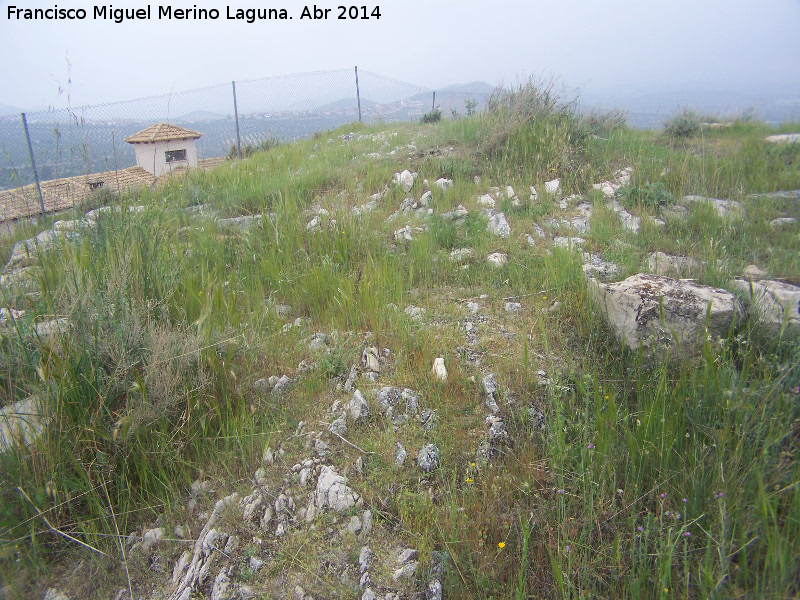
x: 497, y: 259
x: 594, y: 265
x: 400, y: 454
x: 498, y: 225
x: 415, y: 312
x: 403, y: 234
x: 460, y: 254
x: 443, y: 184
x: 332, y: 491
x: 753, y: 273
x: 775, y: 303
x: 357, y: 408
x: 244, y: 223
x: 566, y: 242
x: 20, y: 423
x: 405, y: 180
x: 552, y: 187
x: 666, y: 264
x: 724, y: 208
x: 439, y: 370
x: 428, y: 458
x: 281, y: 386
x: 459, y: 213
x: 634, y: 309
x: 339, y: 426
x: 782, y: 222
x: 369, y: 359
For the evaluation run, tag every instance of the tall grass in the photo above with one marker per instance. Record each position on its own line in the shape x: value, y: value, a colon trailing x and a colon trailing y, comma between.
x: 645, y: 480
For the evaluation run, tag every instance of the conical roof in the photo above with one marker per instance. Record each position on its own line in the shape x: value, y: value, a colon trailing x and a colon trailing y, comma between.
x: 162, y: 132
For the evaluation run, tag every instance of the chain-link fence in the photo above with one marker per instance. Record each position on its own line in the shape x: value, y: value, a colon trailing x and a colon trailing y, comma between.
x: 65, y: 144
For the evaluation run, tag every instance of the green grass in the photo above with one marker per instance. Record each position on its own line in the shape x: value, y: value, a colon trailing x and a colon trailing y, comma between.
x: 173, y: 320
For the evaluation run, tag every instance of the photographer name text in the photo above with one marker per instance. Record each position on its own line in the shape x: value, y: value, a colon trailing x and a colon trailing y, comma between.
x: 170, y: 13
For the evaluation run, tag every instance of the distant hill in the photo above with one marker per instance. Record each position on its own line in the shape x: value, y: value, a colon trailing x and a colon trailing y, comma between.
x: 7, y: 109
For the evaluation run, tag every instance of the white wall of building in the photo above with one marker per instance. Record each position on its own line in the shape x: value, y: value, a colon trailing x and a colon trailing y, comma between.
x: 152, y: 156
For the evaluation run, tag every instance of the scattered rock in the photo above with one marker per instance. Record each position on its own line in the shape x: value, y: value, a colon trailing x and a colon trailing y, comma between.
x: 400, y: 454
x: 498, y: 225
x: 357, y: 408
x: 406, y: 571
x: 439, y: 370
x: 783, y: 138
x: 151, y: 538
x: 369, y: 360
x: 428, y: 458
x: 753, y: 273
x: 318, y: 341
x: 513, y: 306
x: 426, y: 198
x: 389, y: 399
x: 433, y: 591
x: 782, y: 222
x: 365, y: 208
x: 497, y: 259
x: 459, y: 213
x: 405, y: 180
x: 403, y: 234
x: 281, y: 386
x: 332, y: 491
x: 20, y: 423
x: 443, y: 184
x: 724, y: 208
x: 665, y: 264
x: 415, y: 312
x: 566, y: 242
x: 594, y: 265
x: 339, y: 426
x: 486, y: 200
x: 634, y: 309
x: 552, y: 187
x: 54, y: 594
x: 776, y: 304
x: 407, y: 556
x: 460, y: 254
x: 244, y: 223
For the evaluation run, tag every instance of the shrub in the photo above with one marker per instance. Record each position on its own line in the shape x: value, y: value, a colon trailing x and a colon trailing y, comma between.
x: 685, y: 124
x: 433, y: 116
x: 650, y: 194
x: 600, y: 122
x: 250, y: 149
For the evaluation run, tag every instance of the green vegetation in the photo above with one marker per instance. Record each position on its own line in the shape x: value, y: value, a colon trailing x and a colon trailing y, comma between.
x: 644, y: 480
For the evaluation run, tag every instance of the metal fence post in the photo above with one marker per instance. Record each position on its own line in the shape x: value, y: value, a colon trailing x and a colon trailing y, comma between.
x: 33, y: 162
x: 236, y: 115
x: 358, y: 97
x: 433, y: 106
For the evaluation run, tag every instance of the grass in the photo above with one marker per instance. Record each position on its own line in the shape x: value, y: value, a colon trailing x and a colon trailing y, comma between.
x: 671, y: 480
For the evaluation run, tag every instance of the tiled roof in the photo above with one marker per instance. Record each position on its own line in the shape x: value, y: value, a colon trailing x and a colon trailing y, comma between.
x: 61, y: 194
x: 162, y: 132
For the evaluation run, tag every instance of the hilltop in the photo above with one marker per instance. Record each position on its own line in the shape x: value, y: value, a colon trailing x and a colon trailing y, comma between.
x: 471, y: 358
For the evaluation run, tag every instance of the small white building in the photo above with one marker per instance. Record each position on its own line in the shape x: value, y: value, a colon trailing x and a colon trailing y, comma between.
x: 163, y: 148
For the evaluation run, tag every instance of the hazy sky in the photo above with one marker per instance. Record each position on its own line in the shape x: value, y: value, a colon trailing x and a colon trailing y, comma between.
x: 597, y: 45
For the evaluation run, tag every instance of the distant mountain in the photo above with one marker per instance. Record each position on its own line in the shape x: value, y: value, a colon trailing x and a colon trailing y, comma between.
x: 476, y: 87
x: 6, y: 110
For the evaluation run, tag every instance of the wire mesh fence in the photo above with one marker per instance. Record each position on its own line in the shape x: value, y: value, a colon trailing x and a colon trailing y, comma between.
x: 67, y: 144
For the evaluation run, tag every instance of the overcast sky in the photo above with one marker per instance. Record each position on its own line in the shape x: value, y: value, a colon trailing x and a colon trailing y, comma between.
x: 596, y: 45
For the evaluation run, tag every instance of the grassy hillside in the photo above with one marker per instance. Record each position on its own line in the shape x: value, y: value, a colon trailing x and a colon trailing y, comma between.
x: 618, y: 477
